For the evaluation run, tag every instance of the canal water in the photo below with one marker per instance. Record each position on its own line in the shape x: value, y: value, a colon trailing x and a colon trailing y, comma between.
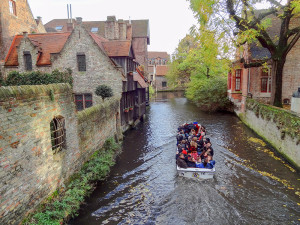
x: 252, y: 184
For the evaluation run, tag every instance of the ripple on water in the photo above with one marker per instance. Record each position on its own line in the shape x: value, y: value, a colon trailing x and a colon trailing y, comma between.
x: 144, y: 189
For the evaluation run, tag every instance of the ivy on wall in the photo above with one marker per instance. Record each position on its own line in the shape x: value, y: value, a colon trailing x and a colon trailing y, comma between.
x: 15, y: 78
x: 286, y: 122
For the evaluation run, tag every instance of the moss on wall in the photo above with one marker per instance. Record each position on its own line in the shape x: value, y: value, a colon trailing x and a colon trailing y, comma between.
x: 286, y: 122
x: 26, y: 91
x: 104, y: 109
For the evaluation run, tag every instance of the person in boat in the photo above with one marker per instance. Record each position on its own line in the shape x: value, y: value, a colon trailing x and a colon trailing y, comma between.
x: 191, y: 162
x: 180, y: 136
x: 181, y: 161
x: 182, y: 145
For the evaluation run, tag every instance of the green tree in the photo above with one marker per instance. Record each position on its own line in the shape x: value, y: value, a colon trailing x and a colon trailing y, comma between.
x: 202, y: 59
x: 253, y: 25
x: 104, y: 91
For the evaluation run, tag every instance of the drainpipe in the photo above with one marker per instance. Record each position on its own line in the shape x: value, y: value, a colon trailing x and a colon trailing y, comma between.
x: 248, y: 85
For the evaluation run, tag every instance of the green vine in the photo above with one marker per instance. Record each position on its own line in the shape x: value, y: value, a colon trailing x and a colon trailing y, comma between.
x: 52, y: 95
x: 286, y: 122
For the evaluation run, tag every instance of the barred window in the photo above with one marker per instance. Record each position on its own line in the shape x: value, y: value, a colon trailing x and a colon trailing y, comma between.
x: 58, y: 134
x: 12, y: 7
x: 164, y: 84
x: 27, y: 61
x: 81, y: 61
x: 83, y: 101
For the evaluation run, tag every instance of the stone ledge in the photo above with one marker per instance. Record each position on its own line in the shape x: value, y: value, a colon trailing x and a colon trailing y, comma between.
x: 27, y: 91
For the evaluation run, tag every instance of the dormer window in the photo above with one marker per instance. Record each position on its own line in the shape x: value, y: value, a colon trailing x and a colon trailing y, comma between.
x: 12, y: 7
x: 94, y: 29
x: 27, y: 61
x: 59, y: 28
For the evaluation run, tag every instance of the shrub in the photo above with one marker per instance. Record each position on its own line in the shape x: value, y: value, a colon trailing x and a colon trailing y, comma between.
x: 63, y: 205
x: 104, y: 91
x: 37, y: 78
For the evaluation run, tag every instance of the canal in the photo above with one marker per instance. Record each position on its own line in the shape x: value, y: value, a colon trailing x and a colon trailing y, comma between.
x: 252, y: 184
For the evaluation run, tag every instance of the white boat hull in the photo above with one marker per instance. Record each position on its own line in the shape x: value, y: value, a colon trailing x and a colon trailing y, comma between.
x: 196, y: 173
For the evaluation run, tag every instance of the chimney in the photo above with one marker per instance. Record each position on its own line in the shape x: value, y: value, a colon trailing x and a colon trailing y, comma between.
x: 25, y: 34
x: 70, y: 26
x: 38, y: 20
x: 122, y: 30
x: 79, y: 20
x: 129, y: 32
x: 111, y: 28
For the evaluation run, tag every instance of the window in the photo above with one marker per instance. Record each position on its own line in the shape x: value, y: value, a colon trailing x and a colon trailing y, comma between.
x: 164, y: 84
x: 266, y: 81
x: 83, y: 101
x: 238, y: 76
x: 94, y: 29
x: 27, y: 61
x: 59, y: 28
x: 12, y: 7
x: 81, y: 62
x: 58, y: 134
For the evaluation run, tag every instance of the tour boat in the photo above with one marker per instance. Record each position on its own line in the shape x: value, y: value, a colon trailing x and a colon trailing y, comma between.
x: 192, y: 172
x: 198, y: 173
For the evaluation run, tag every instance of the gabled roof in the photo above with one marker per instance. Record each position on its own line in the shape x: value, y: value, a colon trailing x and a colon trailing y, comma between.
x: 50, y: 26
x: 137, y: 77
x: 161, y: 70
x: 47, y: 44
x: 163, y: 55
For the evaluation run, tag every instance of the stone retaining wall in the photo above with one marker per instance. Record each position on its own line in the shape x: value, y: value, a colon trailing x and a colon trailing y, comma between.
x: 29, y: 169
x: 277, y: 126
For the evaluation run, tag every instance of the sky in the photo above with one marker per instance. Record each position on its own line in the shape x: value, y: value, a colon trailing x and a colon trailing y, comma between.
x: 170, y: 20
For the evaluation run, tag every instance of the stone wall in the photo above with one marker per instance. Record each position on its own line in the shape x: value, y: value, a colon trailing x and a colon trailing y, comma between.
x: 29, y: 169
x: 158, y: 83
x: 96, y: 124
x: 277, y: 126
x: 12, y: 25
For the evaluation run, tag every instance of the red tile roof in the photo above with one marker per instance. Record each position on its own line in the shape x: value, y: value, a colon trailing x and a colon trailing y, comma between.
x: 47, y: 44
x: 117, y: 48
x: 137, y: 77
x: 161, y: 70
x: 163, y: 55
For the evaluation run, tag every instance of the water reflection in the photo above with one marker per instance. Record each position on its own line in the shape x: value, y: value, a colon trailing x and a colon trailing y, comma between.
x: 251, y: 185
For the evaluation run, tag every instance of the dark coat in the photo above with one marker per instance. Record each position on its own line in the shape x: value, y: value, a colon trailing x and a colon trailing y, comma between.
x: 181, y: 163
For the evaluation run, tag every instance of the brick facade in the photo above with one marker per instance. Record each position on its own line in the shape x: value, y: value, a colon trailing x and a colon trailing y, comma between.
x: 11, y: 25
x: 29, y: 169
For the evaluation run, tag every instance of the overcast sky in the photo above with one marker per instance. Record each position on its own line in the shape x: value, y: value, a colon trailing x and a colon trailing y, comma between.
x: 170, y: 20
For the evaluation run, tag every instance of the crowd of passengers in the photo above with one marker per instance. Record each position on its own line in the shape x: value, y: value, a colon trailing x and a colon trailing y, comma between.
x: 193, y: 148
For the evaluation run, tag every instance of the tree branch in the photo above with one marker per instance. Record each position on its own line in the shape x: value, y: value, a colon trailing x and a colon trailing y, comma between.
x: 292, y: 43
x: 255, y: 64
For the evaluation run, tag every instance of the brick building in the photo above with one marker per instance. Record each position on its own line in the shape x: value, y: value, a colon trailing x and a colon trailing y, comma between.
x: 15, y: 18
x: 256, y: 82
x: 136, y: 30
x: 158, y: 68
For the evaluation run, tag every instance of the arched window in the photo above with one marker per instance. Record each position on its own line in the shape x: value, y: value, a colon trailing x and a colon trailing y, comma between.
x: 58, y: 134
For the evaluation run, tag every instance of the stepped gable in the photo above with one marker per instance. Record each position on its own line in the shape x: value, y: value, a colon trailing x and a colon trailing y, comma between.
x: 162, y: 55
